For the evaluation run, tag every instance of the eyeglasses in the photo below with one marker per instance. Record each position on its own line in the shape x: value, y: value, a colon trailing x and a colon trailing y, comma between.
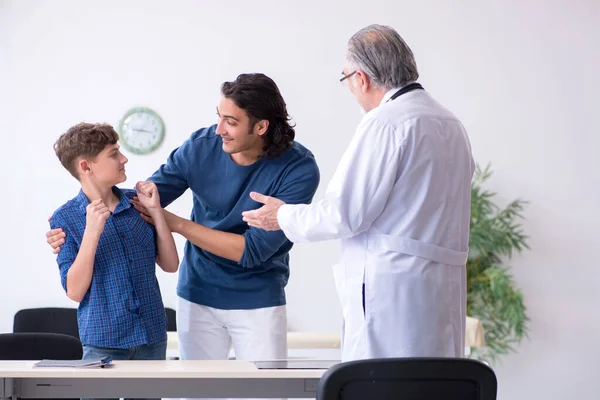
x: 342, y: 79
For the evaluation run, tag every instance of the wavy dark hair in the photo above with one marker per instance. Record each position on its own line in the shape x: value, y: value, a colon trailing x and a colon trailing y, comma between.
x: 259, y: 97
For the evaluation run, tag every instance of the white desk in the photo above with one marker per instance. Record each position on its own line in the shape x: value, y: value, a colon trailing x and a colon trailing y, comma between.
x: 166, y: 379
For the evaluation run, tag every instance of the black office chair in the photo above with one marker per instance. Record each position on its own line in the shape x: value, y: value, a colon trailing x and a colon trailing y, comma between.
x: 38, y: 346
x: 409, y: 378
x: 48, y: 320
x: 171, y: 320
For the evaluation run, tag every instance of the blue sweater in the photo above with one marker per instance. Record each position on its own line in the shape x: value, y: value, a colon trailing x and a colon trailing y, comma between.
x: 221, y: 191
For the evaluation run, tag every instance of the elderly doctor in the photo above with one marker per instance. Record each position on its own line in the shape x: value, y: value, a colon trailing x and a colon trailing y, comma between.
x: 400, y: 201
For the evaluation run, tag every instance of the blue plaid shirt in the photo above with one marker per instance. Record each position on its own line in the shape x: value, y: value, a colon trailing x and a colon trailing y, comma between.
x: 123, y: 307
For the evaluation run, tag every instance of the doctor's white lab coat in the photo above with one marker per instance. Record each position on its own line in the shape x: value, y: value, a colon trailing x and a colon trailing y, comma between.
x: 400, y: 201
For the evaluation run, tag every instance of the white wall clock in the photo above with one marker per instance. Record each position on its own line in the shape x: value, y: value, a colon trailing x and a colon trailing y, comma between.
x: 141, y: 130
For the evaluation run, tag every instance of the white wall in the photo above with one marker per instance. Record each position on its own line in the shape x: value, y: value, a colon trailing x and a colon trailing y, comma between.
x: 522, y: 75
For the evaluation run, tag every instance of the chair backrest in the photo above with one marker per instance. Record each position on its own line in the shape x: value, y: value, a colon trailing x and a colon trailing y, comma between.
x: 38, y: 346
x: 409, y: 378
x: 171, y: 320
x: 49, y: 320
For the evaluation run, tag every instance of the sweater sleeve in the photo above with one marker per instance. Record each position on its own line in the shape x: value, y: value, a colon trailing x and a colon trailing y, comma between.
x: 298, y: 187
x: 171, y: 178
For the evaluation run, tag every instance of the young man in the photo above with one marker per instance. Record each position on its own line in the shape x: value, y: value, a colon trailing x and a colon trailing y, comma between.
x: 107, y: 262
x: 232, y: 279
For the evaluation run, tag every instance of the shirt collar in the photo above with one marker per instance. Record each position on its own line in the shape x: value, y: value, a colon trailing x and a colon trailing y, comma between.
x: 124, y: 203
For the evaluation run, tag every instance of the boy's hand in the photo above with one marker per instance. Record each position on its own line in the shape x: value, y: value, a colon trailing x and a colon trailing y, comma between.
x: 97, y: 213
x: 147, y: 193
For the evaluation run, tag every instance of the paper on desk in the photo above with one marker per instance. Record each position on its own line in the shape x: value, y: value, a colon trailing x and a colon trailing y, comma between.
x: 90, y: 363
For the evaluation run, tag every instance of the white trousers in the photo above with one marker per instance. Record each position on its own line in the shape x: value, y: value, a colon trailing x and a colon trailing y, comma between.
x: 207, y: 333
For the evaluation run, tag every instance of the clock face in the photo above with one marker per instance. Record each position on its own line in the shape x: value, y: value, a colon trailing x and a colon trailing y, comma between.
x: 142, y: 130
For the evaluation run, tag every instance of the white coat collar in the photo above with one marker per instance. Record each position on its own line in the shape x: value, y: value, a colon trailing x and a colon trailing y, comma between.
x: 391, y: 92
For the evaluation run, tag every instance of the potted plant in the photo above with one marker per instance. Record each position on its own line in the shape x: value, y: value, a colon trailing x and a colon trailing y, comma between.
x: 492, y: 296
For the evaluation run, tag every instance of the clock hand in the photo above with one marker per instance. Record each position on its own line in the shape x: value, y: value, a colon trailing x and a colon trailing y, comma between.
x: 143, y: 130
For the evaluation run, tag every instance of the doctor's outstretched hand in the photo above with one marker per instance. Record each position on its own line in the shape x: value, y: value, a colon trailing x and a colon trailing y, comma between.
x: 266, y: 216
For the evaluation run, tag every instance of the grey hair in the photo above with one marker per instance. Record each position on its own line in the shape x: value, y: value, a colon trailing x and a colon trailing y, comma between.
x: 383, y: 55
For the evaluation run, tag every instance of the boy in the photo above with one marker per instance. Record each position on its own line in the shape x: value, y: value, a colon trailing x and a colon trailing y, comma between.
x: 107, y: 263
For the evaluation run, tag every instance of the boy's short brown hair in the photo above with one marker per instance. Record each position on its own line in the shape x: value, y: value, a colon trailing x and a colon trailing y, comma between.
x: 83, y: 140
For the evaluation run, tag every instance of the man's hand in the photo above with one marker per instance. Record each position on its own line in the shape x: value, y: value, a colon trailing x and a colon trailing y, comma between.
x: 137, y: 204
x: 96, y: 215
x: 147, y: 214
x: 147, y: 194
x: 55, y: 237
x: 266, y: 216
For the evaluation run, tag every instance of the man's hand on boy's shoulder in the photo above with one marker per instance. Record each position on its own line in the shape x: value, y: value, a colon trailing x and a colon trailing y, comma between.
x: 173, y: 221
x: 55, y: 238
